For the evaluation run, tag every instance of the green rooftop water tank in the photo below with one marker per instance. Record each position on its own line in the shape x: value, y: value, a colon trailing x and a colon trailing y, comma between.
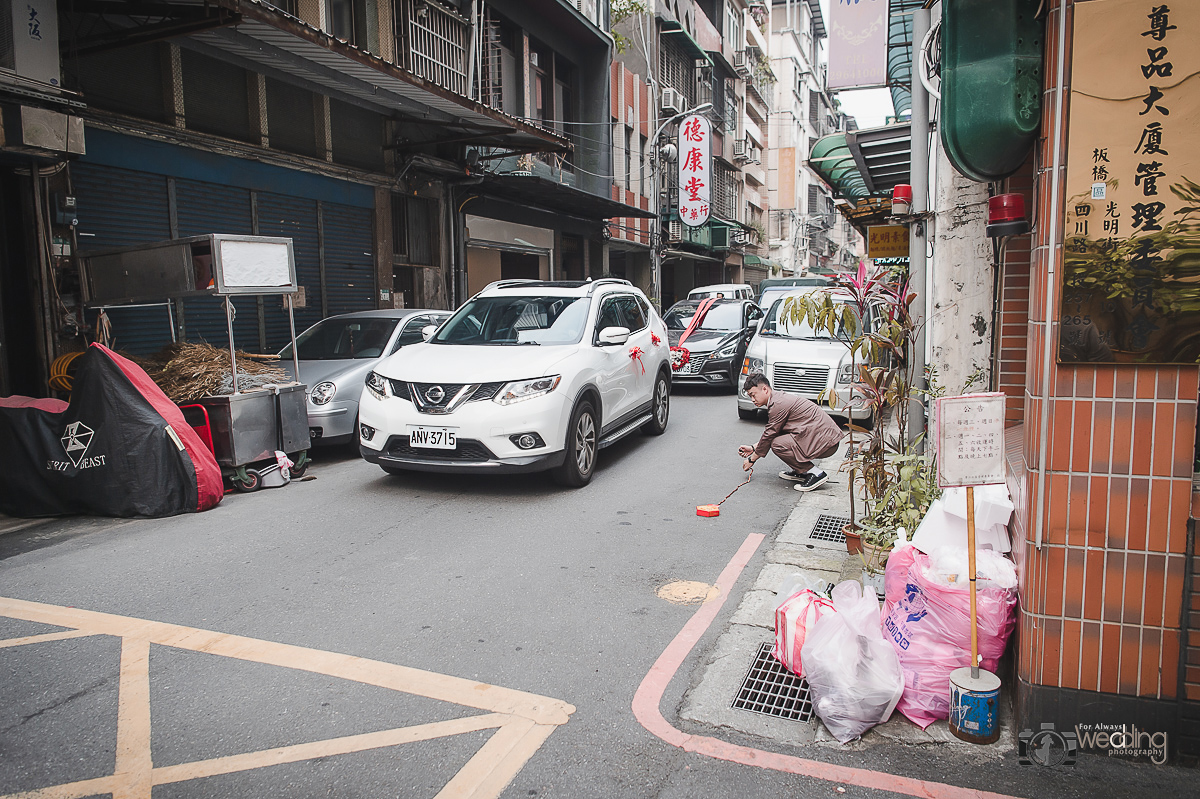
x: 991, y: 84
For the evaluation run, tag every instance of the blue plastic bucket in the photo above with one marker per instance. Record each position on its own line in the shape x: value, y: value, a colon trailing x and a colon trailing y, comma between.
x: 975, y: 706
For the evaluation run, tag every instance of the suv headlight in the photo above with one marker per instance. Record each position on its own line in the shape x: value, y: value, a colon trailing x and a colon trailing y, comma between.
x: 520, y: 390
x: 727, y: 351
x: 322, y: 393
x: 846, y: 373
x: 752, y: 366
x: 378, y: 385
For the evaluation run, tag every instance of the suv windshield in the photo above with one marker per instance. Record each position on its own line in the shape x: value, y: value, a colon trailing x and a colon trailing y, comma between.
x: 722, y: 316
x: 777, y: 323
x: 516, y: 320
x: 341, y: 339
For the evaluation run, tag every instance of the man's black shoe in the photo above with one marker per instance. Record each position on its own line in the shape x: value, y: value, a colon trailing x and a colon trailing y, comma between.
x: 814, y: 479
x: 794, y: 476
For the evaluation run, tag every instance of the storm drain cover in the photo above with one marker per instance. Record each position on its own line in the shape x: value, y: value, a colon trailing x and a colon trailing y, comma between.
x: 829, y: 528
x: 770, y: 689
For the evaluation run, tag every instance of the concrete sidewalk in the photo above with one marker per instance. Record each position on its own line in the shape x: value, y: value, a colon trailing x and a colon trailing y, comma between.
x: 795, y: 549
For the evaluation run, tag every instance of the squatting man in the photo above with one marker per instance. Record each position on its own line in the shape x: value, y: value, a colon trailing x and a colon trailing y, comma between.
x: 798, y: 431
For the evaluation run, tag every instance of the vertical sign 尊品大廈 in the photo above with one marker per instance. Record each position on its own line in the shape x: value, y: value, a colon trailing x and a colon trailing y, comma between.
x: 1131, y: 279
x: 695, y: 170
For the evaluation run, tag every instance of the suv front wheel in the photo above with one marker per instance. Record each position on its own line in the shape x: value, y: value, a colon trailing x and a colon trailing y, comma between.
x: 660, y: 406
x: 582, y: 440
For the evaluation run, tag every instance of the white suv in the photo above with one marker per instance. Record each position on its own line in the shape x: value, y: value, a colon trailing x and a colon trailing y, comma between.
x: 526, y: 376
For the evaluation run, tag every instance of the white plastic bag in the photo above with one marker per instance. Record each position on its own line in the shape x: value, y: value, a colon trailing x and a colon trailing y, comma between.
x: 794, y: 617
x: 854, y: 675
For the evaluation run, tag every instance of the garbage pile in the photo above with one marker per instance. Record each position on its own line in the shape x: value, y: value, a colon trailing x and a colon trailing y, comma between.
x: 863, y: 661
x: 187, y: 371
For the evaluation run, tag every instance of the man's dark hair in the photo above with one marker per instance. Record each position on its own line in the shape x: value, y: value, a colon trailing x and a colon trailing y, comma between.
x: 756, y: 379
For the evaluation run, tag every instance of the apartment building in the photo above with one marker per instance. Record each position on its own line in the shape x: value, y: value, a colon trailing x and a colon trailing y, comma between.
x: 806, y: 232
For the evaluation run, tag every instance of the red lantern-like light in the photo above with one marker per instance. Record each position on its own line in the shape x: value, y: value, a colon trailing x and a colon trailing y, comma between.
x: 902, y: 195
x: 1006, y: 215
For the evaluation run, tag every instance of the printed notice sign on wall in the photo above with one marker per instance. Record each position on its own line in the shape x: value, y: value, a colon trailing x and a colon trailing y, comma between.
x: 970, y: 440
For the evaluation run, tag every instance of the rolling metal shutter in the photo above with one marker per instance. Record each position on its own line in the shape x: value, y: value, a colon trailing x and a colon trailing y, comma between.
x: 296, y: 219
x: 349, y: 263
x: 210, y: 208
x: 121, y: 208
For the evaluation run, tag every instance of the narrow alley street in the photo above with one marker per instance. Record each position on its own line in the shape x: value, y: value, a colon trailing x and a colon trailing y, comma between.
x: 500, y: 585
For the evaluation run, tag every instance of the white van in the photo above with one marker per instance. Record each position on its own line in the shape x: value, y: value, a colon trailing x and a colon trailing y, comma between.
x: 730, y: 291
x: 797, y: 359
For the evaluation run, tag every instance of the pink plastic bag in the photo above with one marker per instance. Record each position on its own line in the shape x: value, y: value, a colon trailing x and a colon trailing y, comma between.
x: 794, y: 617
x: 929, y: 624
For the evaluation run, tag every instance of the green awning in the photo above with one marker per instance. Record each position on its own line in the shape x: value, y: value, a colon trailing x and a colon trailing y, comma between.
x: 899, y: 53
x: 674, y: 28
x: 863, y: 163
x: 754, y: 260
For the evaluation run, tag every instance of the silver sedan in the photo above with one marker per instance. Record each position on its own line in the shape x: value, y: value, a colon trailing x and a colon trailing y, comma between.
x: 337, y: 353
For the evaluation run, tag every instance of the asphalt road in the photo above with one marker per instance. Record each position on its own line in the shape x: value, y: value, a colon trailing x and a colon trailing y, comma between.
x: 506, y: 581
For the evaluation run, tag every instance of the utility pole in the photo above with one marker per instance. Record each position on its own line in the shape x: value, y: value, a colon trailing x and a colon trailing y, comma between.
x: 919, y: 171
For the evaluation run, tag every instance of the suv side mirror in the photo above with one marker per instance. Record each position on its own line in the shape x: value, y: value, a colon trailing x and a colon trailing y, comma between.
x: 428, y: 331
x: 612, y: 336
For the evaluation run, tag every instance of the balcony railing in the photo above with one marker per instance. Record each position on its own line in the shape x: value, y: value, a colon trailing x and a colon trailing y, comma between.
x: 434, y: 44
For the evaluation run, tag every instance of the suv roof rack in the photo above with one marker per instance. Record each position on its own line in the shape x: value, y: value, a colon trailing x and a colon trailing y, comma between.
x: 526, y: 283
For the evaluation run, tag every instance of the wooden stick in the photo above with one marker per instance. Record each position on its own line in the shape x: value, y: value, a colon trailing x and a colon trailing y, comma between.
x: 971, y: 569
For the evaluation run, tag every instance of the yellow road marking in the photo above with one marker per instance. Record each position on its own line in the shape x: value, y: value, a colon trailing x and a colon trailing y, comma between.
x: 37, y: 639
x: 133, y: 764
x: 523, y: 721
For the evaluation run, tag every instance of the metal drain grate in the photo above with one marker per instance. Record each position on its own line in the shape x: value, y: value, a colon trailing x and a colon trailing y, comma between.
x: 772, y: 690
x: 829, y: 528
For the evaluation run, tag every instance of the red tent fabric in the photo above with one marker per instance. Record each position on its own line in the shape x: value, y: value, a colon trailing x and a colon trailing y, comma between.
x: 209, y: 485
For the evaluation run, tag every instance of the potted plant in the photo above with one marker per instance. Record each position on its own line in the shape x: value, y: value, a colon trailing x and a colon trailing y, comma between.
x: 872, y: 316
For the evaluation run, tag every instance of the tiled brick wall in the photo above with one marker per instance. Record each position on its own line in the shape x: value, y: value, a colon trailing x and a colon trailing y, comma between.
x: 629, y: 93
x: 1014, y: 304
x: 1102, y: 599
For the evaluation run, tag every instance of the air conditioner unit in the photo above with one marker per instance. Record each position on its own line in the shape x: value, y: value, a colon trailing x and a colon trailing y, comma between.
x: 671, y: 102
x: 741, y: 150
x: 675, y: 231
x: 741, y: 63
x: 29, y: 40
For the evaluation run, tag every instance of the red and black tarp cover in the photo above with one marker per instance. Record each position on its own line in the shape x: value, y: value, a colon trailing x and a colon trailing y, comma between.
x: 109, y: 451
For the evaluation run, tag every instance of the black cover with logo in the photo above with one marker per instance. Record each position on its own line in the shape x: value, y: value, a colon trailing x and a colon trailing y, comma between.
x: 107, y: 454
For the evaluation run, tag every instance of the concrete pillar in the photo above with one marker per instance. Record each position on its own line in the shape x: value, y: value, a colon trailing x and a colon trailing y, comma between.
x: 960, y: 290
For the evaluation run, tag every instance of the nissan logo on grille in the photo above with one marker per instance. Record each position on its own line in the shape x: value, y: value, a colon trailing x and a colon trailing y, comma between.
x: 435, y: 394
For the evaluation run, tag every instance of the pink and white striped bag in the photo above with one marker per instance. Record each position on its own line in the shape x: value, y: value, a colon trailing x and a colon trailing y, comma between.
x: 794, y: 617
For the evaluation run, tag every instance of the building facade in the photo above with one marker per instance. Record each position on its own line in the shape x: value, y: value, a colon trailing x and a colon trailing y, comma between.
x: 412, y: 150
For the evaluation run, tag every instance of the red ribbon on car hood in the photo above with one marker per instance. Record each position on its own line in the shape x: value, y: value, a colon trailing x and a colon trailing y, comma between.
x: 697, y: 320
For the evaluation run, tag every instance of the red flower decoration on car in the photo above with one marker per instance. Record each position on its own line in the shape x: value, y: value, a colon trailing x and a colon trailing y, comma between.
x: 679, y: 358
x: 636, y: 354
x: 655, y: 340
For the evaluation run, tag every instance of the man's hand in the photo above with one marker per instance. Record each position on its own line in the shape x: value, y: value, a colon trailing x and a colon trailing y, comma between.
x: 747, y: 465
x: 745, y: 451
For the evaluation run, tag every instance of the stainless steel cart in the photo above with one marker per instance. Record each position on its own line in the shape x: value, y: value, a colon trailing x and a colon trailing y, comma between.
x: 243, y: 428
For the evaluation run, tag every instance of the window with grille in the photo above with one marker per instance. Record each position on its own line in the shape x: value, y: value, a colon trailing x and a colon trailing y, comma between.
x: 814, y: 111
x: 676, y: 69
x: 436, y: 45
x: 414, y: 229
x: 725, y: 198
x: 814, y: 199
